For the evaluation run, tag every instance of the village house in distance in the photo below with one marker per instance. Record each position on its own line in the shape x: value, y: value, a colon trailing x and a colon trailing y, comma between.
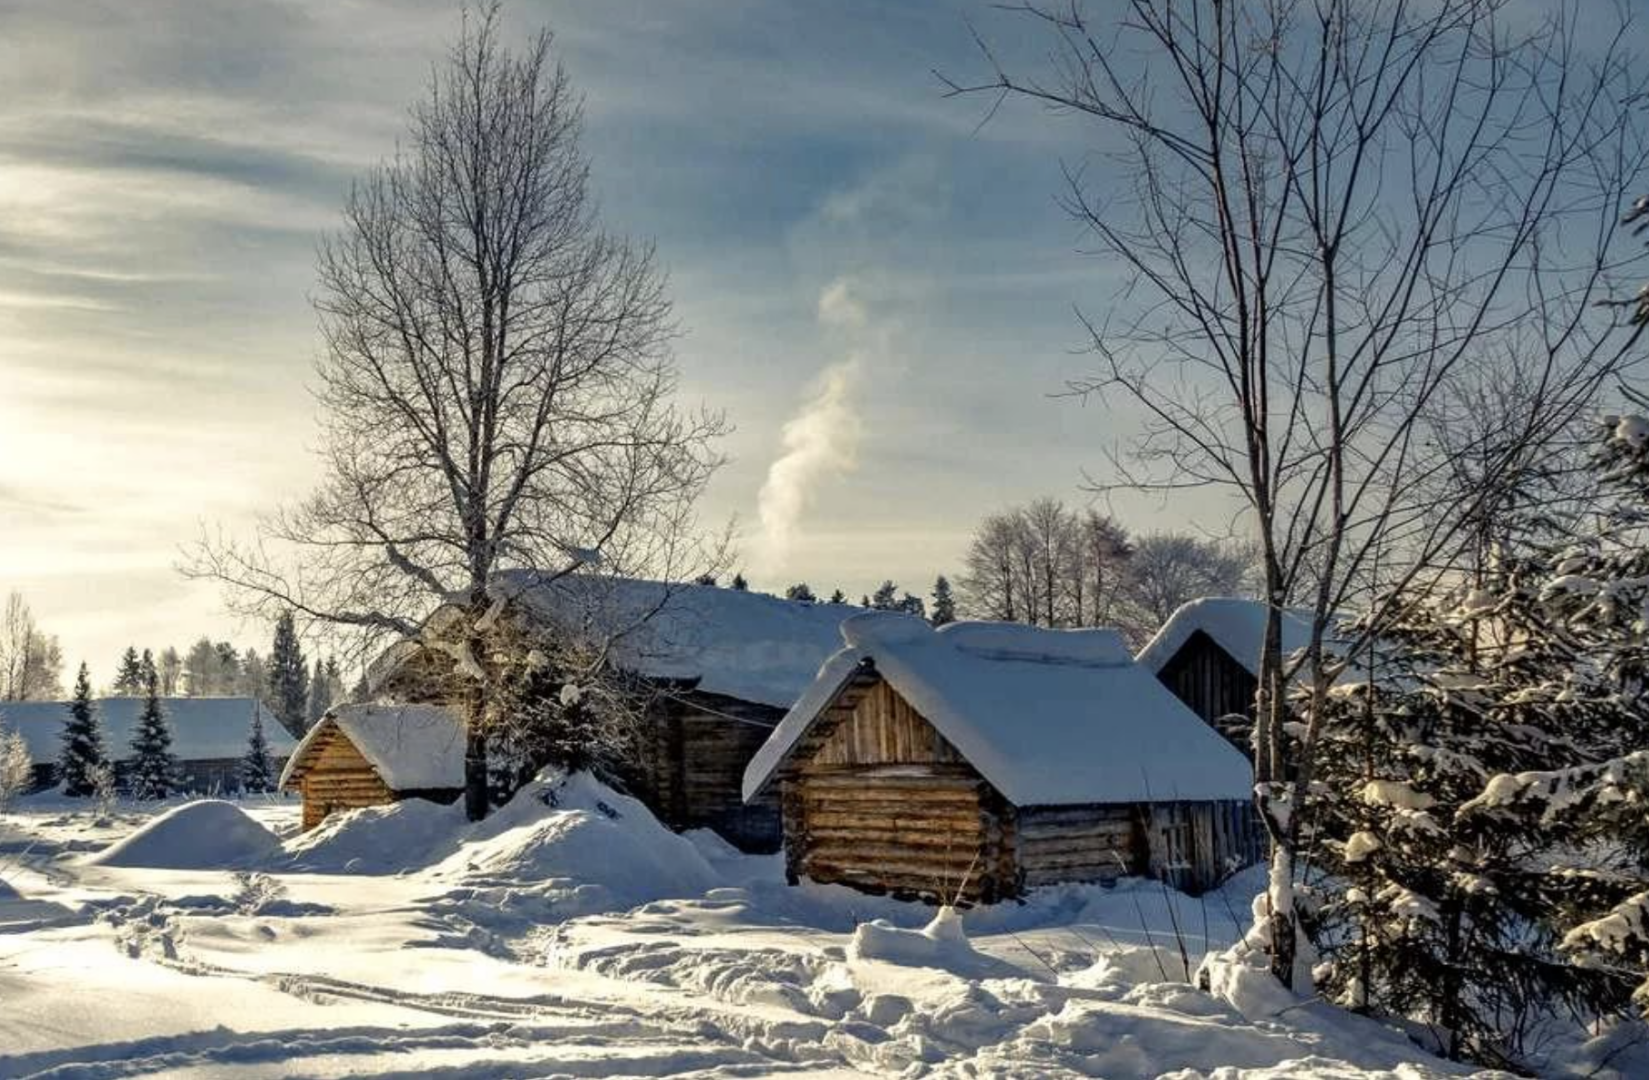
x: 209, y: 736
x: 982, y: 759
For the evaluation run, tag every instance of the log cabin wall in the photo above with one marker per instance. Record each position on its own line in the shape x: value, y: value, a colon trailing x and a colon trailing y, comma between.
x: 1214, y: 686
x: 884, y: 803
x: 337, y: 777
x: 1099, y: 842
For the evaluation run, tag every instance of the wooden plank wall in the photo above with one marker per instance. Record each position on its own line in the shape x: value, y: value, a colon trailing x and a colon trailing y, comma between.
x: 884, y: 730
x: 692, y: 753
x: 1213, y: 686
x: 337, y: 777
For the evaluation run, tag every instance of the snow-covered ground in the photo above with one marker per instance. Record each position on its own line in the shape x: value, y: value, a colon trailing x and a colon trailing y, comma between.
x: 570, y: 935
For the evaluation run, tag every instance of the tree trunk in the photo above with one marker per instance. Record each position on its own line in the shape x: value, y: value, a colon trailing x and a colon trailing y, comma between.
x: 475, y: 772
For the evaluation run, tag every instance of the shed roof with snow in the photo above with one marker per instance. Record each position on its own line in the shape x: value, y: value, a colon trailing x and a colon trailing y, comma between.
x: 731, y: 642
x: 203, y: 728
x: 409, y: 747
x: 1048, y: 717
x: 1235, y: 624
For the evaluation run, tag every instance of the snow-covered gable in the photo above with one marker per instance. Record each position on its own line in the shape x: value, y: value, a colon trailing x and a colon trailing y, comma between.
x: 411, y: 747
x: 1236, y: 625
x: 740, y: 644
x: 1049, y: 717
x: 203, y: 728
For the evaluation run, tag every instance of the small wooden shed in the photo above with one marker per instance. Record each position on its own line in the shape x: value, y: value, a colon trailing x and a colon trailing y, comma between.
x: 373, y: 755
x: 983, y: 759
x: 1208, y: 655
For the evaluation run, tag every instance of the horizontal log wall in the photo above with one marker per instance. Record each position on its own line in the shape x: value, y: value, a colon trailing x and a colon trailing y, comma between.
x: 916, y: 831
x: 1079, y: 843
x: 882, y: 802
x: 337, y: 777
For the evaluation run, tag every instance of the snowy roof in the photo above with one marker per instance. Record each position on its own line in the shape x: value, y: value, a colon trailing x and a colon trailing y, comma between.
x: 203, y: 728
x: 1050, y: 717
x: 411, y: 747
x: 740, y: 644
x: 1236, y: 625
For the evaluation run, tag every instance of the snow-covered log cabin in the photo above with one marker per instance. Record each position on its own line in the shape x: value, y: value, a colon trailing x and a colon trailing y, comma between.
x: 716, y: 670
x: 982, y: 759
x: 371, y: 755
x: 210, y: 736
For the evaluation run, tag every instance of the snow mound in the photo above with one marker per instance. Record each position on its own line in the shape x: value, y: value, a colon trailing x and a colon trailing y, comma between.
x: 942, y: 944
x: 563, y: 844
x: 6, y: 891
x: 576, y: 829
x: 204, y: 835
x: 402, y: 836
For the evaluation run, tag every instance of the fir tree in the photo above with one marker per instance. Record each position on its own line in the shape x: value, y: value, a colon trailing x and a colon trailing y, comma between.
x: 288, y: 676
x: 739, y: 584
x: 1460, y: 878
x: 82, y: 752
x: 944, y: 604
x: 886, y: 597
x: 257, y: 772
x: 129, y: 677
x: 320, y: 694
x: 912, y: 605
x: 838, y: 597
x: 801, y: 593
x: 864, y: 601
x: 153, y: 772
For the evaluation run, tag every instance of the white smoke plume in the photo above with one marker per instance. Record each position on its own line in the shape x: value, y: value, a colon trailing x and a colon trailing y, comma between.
x: 820, y: 441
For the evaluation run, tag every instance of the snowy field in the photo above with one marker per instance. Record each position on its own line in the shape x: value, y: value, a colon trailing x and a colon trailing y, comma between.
x: 570, y: 935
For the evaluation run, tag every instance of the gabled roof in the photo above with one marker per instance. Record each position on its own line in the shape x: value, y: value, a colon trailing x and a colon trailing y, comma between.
x: 1236, y: 625
x: 739, y: 644
x: 203, y: 728
x: 1049, y: 717
x: 410, y: 747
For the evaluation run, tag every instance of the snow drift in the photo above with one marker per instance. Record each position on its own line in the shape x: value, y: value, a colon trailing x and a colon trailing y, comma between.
x: 209, y: 834
x: 570, y: 832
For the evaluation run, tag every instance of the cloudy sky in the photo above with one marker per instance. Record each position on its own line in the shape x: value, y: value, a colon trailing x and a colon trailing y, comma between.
x: 166, y: 169
x: 835, y: 228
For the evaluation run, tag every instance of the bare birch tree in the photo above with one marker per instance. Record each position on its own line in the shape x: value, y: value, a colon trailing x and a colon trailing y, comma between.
x: 496, y: 384
x: 31, y: 661
x: 1333, y: 211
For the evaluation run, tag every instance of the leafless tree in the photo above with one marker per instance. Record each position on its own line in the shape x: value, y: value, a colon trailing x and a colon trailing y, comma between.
x: 31, y: 661
x: 1044, y: 563
x: 497, y: 381
x: 1170, y: 569
x: 1335, y: 211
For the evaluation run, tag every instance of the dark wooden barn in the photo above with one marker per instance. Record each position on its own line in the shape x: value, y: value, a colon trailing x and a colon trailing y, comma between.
x: 981, y: 760
x: 714, y: 671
